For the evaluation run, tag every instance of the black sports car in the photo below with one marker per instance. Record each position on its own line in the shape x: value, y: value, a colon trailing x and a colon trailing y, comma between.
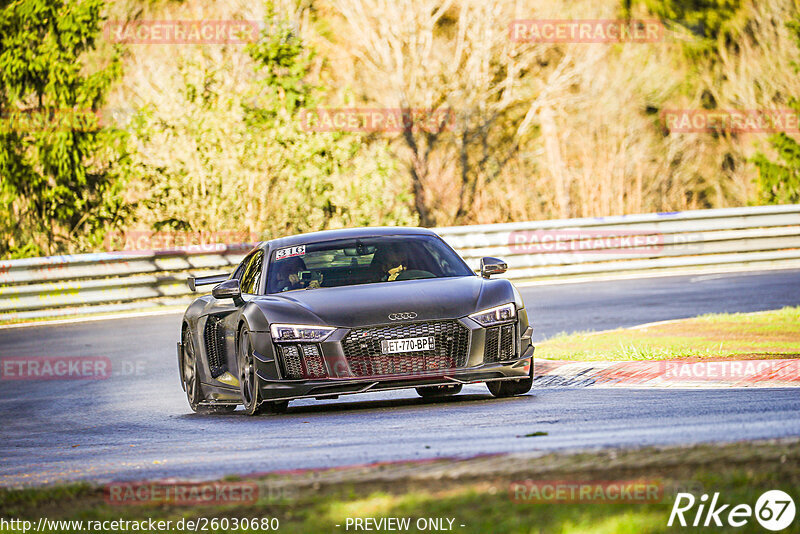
x: 350, y: 311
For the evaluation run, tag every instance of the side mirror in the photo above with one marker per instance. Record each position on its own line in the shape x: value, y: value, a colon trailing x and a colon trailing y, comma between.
x: 229, y: 289
x: 490, y: 266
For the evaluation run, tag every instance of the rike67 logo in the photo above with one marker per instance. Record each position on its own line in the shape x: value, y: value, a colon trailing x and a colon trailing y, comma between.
x: 774, y: 510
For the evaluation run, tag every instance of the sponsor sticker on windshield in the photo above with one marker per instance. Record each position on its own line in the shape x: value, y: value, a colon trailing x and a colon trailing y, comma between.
x: 289, y: 252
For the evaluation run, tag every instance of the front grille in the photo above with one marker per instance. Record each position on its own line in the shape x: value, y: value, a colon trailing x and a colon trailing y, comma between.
x: 362, y: 349
x: 214, y: 338
x: 312, y: 358
x: 500, y: 344
x: 292, y: 368
x: 492, y: 344
x: 302, y: 361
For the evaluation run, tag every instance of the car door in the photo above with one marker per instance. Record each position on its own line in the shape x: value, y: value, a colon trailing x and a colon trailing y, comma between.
x: 250, y: 285
x: 219, y: 328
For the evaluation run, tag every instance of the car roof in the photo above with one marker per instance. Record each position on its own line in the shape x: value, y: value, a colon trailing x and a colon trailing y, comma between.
x: 347, y: 233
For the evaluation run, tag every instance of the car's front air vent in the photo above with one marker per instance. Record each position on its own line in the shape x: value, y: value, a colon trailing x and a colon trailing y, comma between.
x: 500, y: 344
x: 302, y: 361
x: 214, y: 337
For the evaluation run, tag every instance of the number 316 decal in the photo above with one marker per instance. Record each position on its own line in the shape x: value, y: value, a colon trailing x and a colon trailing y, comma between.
x: 288, y: 252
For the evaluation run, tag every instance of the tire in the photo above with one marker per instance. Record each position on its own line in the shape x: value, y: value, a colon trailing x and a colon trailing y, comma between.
x: 249, y: 383
x: 438, y: 391
x: 191, y: 381
x: 511, y: 388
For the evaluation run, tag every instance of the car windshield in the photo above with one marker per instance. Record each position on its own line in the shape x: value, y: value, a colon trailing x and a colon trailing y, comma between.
x: 362, y: 261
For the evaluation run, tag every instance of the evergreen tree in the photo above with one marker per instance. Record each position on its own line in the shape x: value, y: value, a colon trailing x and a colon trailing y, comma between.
x: 56, y: 184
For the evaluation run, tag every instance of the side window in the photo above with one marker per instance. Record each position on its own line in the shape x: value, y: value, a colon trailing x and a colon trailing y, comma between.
x: 237, y: 274
x: 252, y: 274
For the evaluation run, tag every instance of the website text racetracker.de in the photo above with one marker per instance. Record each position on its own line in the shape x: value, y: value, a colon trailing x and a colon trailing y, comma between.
x: 200, y: 524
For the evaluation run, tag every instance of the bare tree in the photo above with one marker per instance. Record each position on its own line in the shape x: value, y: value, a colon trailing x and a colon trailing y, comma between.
x: 458, y: 56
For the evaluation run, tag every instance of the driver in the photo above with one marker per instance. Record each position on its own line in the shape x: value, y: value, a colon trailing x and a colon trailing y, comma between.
x: 392, y: 262
x: 287, y: 275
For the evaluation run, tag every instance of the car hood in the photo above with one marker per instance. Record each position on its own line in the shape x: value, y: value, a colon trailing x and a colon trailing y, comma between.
x: 371, y: 304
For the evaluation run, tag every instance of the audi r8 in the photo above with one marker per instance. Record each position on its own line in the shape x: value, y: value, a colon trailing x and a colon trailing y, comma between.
x: 351, y: 311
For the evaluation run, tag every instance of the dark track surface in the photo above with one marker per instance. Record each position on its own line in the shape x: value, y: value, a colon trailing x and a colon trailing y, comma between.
x: 136, y: 424
x: 606, y: 305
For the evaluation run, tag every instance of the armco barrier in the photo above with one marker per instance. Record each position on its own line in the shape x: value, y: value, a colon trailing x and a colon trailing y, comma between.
x: 752, y: 236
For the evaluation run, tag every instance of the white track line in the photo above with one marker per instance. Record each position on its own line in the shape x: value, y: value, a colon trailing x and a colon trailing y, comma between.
x: 657, y: 274
x: 123, y: 315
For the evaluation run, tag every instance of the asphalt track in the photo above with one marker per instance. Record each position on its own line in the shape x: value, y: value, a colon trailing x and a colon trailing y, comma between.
x: 136, y: 424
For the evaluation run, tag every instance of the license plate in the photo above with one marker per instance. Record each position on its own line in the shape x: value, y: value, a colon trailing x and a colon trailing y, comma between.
x: 409, y: 344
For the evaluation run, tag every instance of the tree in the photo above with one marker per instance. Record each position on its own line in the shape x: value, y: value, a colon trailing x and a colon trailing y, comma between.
x: 321, y: 176
x: 457, y: 58
x: 56, y: 179
x: 220, y: 144
x: 704, y: 18
x: 779, y: 182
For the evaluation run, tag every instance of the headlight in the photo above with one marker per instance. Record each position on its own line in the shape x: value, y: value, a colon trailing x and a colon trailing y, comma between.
x: 299, y: 332
x: 498, y: 314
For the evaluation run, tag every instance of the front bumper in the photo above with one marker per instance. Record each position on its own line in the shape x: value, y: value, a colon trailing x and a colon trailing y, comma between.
x: 332, y: 387
x: 340, y: 381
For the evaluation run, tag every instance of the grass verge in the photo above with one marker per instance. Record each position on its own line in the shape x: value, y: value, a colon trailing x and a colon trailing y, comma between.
x: 761, y: 335
x: 477, y: 493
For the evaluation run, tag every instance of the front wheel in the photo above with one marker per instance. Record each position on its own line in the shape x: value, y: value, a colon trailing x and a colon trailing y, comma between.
x: 250, y: 384
x: 511, y: 388
x: 191, y: 379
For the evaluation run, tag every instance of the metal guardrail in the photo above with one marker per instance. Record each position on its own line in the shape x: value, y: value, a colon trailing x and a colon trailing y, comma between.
x: 763, y: 235
x: 679, y: 239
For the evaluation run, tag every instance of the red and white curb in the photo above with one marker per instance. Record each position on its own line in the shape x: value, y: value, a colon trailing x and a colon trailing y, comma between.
x: 667, y: 373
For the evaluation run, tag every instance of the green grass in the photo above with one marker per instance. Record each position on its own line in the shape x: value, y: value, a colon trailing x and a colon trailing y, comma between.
x: 479, y: 497
x: 772, y: 334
